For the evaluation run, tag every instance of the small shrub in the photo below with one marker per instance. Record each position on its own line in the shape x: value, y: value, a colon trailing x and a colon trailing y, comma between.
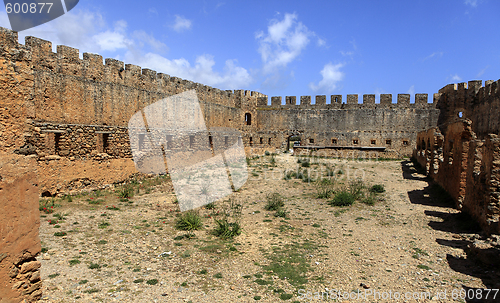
x: 203, y: 272
x: 210, y: 206
x: 94, y: 266
x: 356, y: 188
x: 218, y: 275
x: 377, y: 188
x: 257, y: 298
x: 152, y: 282
x: 342, y: 198
x: 60, y: 234
x: 138, y: 280
x: 83, y: 282
x: 126, y: 192
x: 103, y: 225
x: 369, y: 200
x: 286, y: 296
x: 189, y: 221
x: 74, y: 262
x: 306, y: 164
x: 267, y: 153
x: 290, y: 175
x: 280, y: 213
x: 274, y: 202
x: 227, y: 230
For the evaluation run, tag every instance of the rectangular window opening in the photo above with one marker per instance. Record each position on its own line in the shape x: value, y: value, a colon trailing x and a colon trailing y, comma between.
x: 191, y: 141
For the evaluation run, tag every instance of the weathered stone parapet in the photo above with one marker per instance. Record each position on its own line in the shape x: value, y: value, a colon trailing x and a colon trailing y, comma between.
x: 19, y: 224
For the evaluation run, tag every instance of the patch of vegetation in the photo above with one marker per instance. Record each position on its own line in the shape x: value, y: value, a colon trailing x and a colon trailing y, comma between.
x: 103, y: 225
x: 152, y: 282
x: 189, y: 221
x: 229, y: 226
x: 218, y: 275
x: 281, y: 213
x: 356, y: 188
x: 227, y: 230
x: 83, y: 282
x: 91, y: 291
x: 210, y: 205
x: 138, y: 280
x: 325, y: 188
x: 342, y: 198
x: 53, y: 275
x: 377, y: 188
x: 94, y: 266
x: 274, y: 202
x: 263, y: 282
x: 203, y: 272
x: 419, y: 252
x: 60, y: 234
x: 74, y: 262
x: 286, y: 296
x: 421, y: 266
x: 257, y: 298
x: 126, y: 192
x: 369, y: 200
x: 290, y: 261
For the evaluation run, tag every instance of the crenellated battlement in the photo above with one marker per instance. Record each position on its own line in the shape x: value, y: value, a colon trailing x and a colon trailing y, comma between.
x: 352, y: 102
x: 66, y: 62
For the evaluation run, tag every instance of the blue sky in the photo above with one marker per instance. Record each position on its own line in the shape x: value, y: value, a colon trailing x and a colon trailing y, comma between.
x: 292, y: 48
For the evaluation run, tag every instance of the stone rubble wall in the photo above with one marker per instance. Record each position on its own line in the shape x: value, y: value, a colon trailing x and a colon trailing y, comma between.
x: 19, y: 224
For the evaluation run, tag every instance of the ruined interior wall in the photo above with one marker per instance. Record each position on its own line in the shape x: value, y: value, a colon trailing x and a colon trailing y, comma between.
x: 483, y: 183
x: 465, y: 160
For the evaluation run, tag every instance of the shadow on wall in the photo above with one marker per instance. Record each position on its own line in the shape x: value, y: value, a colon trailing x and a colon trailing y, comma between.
x: 483, y: 255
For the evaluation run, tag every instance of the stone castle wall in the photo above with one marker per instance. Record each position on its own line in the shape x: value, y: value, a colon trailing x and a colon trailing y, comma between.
x: 78, y: 109
x: 20, y: 218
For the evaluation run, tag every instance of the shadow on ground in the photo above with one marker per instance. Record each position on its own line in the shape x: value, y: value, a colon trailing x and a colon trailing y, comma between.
x: 482, y: 261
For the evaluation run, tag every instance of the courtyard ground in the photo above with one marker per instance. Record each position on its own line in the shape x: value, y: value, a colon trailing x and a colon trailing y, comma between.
x: 406, y: 241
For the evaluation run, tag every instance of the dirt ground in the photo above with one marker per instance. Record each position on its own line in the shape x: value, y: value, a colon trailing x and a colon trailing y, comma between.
x: 409, y: 246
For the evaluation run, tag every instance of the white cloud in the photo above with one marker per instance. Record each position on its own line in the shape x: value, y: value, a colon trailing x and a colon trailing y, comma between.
x: 321, y: 42
x: 233, y: 77
x: 434, y: 54
x: 331, y: 76
x: 472, y: 3
x: 142, y: 37
x: 113, y: 40
x: 456, y: 78
x: 481, y: 72
x: 181, y: 24
x: 283, y: 42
